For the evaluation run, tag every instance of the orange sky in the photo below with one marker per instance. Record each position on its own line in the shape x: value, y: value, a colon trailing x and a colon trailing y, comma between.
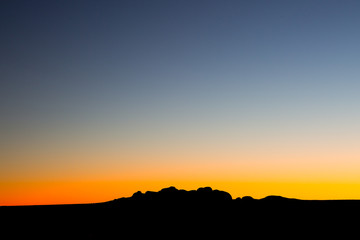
x: 59, y: 176
x: 105, y: 179
x: 29, y: 193
x: 65, y: 175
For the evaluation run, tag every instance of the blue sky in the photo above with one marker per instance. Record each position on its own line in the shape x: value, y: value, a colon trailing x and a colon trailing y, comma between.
x: 178, y: 75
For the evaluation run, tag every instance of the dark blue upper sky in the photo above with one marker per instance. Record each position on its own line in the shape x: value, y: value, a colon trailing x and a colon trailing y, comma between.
x: 150, y: 69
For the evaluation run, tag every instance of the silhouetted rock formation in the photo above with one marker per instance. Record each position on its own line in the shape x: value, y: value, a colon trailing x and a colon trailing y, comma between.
x: 172, y: 213
x: 172, y: 194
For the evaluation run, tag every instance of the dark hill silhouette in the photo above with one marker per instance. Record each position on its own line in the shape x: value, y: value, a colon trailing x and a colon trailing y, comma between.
x: 172, y: 194
x: 173, y: 213
x: 279, y: 199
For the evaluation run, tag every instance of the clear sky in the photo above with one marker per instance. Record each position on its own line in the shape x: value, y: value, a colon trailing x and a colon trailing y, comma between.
x: 99, y: 99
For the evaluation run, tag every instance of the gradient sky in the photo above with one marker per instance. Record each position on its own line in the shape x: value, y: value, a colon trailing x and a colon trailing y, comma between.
x: 99, y: 99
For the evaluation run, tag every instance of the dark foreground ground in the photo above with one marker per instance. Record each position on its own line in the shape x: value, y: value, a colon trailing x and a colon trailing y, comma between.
x: 179, y: 214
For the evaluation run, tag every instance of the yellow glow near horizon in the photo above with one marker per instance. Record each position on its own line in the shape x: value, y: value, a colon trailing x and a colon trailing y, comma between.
x: 67, y: 192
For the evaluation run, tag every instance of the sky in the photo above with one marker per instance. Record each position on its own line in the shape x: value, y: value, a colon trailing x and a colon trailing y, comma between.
x: 100, y: 99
